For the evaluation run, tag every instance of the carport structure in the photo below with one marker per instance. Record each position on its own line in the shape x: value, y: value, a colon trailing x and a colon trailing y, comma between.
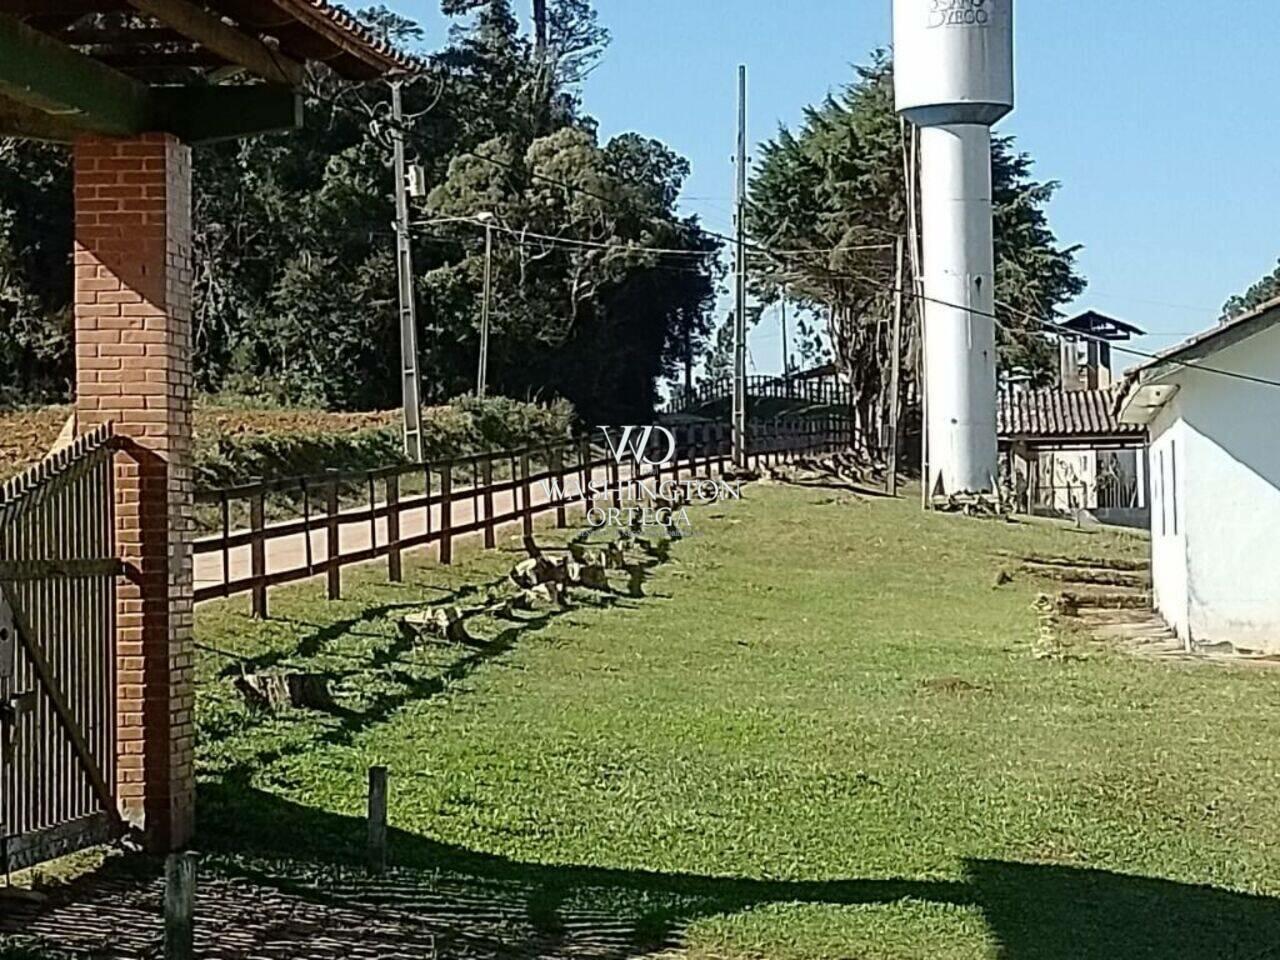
x: 131, y: 85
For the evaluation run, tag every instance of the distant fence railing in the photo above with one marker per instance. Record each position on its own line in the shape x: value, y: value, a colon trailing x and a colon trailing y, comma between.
x: 336, y: 519
x: 823, y: 392
x: 1105, y: 493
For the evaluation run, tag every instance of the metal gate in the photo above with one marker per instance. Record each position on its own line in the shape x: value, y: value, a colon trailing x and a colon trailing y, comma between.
x: 58, y: 570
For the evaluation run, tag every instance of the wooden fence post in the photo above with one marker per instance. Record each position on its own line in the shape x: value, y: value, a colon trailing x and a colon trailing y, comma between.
x: 615, y: 482
x: 527, y: 487
x: 585, y: 475
x: 224, y: 510
x: 333, y: 561
x: 475, y: 489
x: 446, y: 513
x: 395, y: 571
x: 306, y: 524
x: 373, y: 511
x: 179, y: 906
x: 556, y: 466
x: 486, y: 472
x: 258, y: 553
x: 377, y: 820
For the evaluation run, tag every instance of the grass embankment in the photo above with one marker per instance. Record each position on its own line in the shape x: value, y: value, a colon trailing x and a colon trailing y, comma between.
x: 237, y: 444
x: 823, y: 734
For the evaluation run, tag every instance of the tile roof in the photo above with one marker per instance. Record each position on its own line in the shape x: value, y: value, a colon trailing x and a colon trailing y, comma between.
x: 353, y: 36
x: 1057, y: 413
x: 1207, y: 342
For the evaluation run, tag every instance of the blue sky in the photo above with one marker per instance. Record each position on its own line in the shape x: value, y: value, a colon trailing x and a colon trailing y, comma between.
x: 1154, y: 114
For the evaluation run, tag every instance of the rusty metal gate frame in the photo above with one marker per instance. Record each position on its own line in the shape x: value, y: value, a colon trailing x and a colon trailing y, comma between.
x: 58, y: 573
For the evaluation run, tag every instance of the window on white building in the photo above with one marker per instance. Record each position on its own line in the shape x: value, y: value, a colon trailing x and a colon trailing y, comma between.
x: 1164, y: 513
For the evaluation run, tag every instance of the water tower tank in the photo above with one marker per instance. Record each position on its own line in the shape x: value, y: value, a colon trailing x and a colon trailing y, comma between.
x: 953, y: 75
x: 953, y: 60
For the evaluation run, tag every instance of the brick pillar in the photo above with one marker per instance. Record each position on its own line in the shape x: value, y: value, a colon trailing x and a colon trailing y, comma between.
x: 133, y: 367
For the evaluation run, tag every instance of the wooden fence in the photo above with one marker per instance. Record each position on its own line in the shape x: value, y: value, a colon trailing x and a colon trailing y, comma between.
x: 762, y: 387
x: 406, y: 507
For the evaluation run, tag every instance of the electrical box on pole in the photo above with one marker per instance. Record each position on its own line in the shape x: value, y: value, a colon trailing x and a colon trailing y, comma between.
x: 417, y: 181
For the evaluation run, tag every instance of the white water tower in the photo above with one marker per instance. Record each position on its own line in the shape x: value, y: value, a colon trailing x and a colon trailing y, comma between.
x: 953, y: 75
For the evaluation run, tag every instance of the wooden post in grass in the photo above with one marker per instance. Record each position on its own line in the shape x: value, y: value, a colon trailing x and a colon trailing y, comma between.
x: 446, y: 513
x: 486, y: 473
x: 395, y: 570
x: 585, y: 475
x: 179, y: 906
x: 377, y: 820
x: 527, y: 487
x: 557, y: 470
x: 258, y: 553
x: 333, y: 563
x: 615, y: 482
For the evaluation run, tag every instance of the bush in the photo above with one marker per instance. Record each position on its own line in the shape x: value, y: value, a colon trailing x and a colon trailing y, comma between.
x: 232, y: 453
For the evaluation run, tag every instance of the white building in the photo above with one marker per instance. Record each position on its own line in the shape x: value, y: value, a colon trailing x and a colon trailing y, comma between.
x: 1215, y: 480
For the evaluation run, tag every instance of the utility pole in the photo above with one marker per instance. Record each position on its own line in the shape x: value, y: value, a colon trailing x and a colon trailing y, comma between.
x: 482, y: 374
x: 891, y: 478
x: 740, y: 271
x: 786, y: 356
x: 410, y: 377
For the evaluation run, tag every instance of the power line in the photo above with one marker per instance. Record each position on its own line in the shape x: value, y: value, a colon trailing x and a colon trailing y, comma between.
x: 727, y: 238
x: 885, y: 288
x: 667, y: 267
x: 1083, y: 335
x: 586, y: 244
x: 666, y: 251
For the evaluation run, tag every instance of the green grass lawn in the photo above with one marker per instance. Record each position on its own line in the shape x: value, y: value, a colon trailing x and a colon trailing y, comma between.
x: 822, y: 734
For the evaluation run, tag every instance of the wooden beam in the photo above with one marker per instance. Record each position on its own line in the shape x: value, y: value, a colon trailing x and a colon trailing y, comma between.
x: 56, y: 8
x: 193, y: 114
x: 136, y: 61
x: 19, y: 120
x: 42, y: 73
x: 124, y: 36
x: 225, y: 40
x: 207, y: 113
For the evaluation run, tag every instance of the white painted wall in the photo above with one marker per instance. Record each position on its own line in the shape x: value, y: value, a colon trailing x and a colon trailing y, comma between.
x: 1170, y: 481
x: 1217, y: 578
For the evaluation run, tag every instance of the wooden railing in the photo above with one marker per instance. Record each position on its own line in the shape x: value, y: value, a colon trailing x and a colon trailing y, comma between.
x: 760, y: 387
x: 384, y: 513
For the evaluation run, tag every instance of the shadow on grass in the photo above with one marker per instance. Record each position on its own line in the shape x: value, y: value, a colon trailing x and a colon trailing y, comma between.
x: 840, y: 486
x: 404, y: 681
x: 1035, y: 911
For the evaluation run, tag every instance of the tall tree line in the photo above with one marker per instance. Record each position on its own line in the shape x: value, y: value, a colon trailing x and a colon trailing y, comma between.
x: 295, y: 287
x: 831, y: 195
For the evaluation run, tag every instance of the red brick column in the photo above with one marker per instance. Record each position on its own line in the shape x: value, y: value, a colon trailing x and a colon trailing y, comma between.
x: 133, y: 367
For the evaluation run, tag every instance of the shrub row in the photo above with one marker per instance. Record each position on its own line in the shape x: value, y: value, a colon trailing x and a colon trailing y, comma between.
x: 225, y: 456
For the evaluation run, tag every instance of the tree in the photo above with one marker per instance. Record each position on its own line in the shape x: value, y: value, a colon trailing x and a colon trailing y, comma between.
x: 599, y: 288
x: 1264, y: 291
x: 835, y: 189
x: 295, y: 294
x: 35, y: 272
x: 719, y: 365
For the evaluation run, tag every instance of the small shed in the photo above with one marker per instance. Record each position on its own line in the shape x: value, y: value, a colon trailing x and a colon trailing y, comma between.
x: 1086, y: 342
x: 1066, y: 451
x: 1211, y: 405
